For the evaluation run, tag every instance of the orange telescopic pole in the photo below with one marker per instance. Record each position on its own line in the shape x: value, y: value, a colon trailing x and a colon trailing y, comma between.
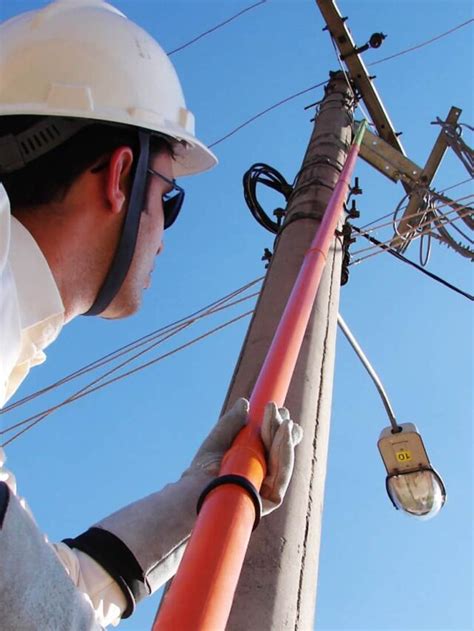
x: 201, y: 594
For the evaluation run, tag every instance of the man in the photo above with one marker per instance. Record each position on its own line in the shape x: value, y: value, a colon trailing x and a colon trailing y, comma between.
x: 93, y: 132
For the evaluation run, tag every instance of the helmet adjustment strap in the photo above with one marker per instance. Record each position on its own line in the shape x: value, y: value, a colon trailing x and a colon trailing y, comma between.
x: 128, y: 238
x: 16, y: 151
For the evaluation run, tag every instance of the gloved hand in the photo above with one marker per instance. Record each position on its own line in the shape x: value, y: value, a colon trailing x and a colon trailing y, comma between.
x: 280, y: 435
x: 141, y: 545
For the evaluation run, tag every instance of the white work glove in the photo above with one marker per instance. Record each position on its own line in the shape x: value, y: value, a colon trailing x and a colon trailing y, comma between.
x: 280, y: 435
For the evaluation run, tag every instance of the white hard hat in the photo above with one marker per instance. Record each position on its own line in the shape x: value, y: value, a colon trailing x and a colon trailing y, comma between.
x: 85, y: 59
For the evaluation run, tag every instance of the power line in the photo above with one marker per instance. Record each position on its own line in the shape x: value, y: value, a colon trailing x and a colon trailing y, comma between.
x: 154, y: 338
x: 318, y: 85
x: 376, y: 227
x: 469, y: 179
x: 421, y: 225
x: 265, y: 111
x: 461, y: 232
x: 404, y: 207
x: 32, y: 421
x: 373, y: 250
x: 428, y: 41
x: 399, y: 256
x: 215, y: 28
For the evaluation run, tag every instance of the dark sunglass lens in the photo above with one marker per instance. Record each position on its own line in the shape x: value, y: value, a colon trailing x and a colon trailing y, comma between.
x: 171, y: 208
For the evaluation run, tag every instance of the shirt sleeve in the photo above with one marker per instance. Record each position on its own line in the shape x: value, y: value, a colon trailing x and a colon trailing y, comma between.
x: 90, y: 578
x: 105, y: 596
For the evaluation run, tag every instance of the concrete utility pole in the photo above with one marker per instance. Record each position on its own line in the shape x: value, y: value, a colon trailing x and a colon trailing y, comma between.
x: 277, y: 588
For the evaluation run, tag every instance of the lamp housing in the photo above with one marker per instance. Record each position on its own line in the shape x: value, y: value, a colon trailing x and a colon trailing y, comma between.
x: 412, y: 484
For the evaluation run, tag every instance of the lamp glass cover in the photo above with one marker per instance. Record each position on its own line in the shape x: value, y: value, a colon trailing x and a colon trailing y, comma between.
x: 417, y: 493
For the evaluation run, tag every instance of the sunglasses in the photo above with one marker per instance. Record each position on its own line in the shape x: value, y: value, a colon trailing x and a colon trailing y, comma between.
x: 172, y: 201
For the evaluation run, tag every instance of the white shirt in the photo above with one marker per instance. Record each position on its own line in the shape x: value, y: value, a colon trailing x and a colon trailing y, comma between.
x: 31, y: 309
x: 31, y: 318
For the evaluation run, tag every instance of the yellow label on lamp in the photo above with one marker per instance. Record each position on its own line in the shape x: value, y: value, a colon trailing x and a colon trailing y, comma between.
x: 403, y: 455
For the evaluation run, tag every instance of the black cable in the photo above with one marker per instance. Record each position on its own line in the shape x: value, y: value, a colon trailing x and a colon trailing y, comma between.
x: 265, y: 111
x: 397, y: 255
x: 261, y: 173
x: 161, y: 333
x: 215, y: 28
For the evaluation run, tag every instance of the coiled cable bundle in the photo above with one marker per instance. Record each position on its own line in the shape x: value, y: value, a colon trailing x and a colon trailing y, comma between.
x: 267, y: 175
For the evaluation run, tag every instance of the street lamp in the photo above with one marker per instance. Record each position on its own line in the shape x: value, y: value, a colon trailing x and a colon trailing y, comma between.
x: 412, y: 483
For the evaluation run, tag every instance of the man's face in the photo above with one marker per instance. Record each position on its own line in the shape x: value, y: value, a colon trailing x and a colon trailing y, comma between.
x: 149, y: 243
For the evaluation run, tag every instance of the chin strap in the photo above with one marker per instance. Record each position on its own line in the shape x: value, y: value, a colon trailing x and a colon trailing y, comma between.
x: 128, y: 239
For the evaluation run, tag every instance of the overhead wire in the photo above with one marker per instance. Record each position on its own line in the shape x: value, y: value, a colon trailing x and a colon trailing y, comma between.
x: 428, y: 206
x: 462, y: 233
x: 469, y: 179
x: 318, y: 85
x: 404, y: 207
x: 265, y: 111
x: 429, y: 214
x: 155, y: 337
x: 421, y: 225
x: 32, y: 421
x: 468, y: 220
x: 374, y: 250
x: 422, y: 44
x: 313, y: 87
x: 372, y: 226
x: 386, y: 248
x: 215, y: 28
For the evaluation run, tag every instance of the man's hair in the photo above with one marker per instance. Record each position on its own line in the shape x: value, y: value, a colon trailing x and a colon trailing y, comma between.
x: 48, y: 178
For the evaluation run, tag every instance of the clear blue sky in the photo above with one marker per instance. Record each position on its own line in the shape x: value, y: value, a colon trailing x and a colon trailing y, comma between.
x: 379, y: 569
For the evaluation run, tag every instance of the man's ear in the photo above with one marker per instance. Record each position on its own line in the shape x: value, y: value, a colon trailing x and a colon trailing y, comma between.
x: 118, y: 178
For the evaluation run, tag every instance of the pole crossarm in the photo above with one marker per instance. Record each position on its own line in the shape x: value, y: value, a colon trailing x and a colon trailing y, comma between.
x: 385, y: 152
x: 411, y: 218
x: 358, y: 73
x: 389, y: 161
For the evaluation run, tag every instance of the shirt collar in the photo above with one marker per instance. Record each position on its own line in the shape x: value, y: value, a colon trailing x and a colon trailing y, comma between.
x: 38, y: 295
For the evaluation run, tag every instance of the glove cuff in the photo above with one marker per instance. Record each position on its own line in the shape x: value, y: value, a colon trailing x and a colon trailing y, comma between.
x: 114, y: 556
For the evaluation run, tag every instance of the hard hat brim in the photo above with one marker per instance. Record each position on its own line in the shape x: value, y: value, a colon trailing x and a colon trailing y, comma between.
x: 191, y: 155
